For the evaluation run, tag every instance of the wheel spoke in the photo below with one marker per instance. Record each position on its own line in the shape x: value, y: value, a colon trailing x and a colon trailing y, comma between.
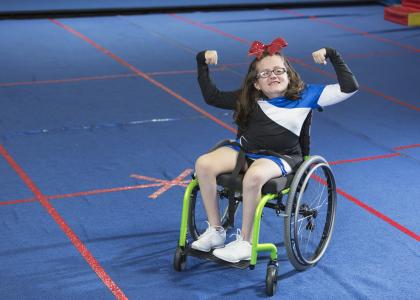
x: 313, y: 204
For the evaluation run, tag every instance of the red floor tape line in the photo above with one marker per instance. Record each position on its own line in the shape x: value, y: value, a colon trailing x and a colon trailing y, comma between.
x: 90, y: 259
x: 362, y: 86
x: 372, y: 210
x: 221, y: 67
x: 177, y: 181
x: 143, y: 75
x: 166, y: 184
x: 66, y: 80
x: 378, y: 214
x: 338, y: 162
x: 162, y: 182
x: 407, y: 147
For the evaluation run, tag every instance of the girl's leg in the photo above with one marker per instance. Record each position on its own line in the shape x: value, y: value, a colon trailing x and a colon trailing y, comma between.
x: 255, y: 177
x: 261, y: 171
x: 207, y: 168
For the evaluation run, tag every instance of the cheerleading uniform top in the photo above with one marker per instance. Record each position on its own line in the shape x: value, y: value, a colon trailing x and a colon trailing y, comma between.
x: 275, y: 124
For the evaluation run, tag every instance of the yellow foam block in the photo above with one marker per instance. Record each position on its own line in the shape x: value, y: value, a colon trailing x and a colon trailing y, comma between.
x: 414, y: 19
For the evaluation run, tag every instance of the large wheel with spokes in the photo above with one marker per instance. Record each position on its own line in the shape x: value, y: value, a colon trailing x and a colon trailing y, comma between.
x: 310, y: 211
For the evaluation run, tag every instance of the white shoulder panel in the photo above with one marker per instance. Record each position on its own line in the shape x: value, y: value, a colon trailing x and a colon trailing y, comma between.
x: 290, y: 118
x: 332, y: 95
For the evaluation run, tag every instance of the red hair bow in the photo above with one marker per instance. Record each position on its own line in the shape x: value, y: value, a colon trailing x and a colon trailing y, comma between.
x: 257, y: 48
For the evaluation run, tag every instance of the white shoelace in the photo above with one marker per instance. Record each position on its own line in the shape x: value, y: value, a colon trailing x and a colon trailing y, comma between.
x: 208, y: 229
x: 238, y: 236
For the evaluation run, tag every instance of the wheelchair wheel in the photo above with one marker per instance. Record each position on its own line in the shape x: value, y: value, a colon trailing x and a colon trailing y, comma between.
x: 310, y: 211
x: 271, y: 278
x: 197, y: 216
x: 180, y: 259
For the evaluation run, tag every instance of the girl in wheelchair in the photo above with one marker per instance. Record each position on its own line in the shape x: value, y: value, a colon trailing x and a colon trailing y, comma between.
x: 269, y: 109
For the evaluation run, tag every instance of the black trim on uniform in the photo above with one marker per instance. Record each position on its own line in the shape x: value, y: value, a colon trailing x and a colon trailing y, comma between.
x: 346, y: 80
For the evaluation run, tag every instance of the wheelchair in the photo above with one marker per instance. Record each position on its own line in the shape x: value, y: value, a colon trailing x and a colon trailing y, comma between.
x: 305, y: 198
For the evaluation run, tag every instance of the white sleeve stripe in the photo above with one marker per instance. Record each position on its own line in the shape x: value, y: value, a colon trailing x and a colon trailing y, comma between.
x: 332, y: 95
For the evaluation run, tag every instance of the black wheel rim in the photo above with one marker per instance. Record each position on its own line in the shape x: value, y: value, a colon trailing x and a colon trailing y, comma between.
x: 313, y: 217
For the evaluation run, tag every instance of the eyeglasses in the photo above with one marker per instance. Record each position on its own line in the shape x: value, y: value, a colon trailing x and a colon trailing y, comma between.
x: 266, y: 73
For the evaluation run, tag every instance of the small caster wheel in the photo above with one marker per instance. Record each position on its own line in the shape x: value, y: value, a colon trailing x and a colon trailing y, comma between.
x: 180, y: 259
x: 271, y: 279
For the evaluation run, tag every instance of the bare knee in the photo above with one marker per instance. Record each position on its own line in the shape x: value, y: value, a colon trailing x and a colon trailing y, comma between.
x: 204, y: 166
x: 253, y: 181
x: 216, y: 162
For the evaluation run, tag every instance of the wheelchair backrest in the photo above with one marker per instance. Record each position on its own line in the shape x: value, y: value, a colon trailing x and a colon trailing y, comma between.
x: 305, y: 135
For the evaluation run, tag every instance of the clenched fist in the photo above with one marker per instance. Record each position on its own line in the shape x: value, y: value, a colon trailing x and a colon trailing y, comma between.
x: 211, y: 57
x: 320, y: 56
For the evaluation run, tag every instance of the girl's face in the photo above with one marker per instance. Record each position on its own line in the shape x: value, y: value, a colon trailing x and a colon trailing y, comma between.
x: 272, y: 78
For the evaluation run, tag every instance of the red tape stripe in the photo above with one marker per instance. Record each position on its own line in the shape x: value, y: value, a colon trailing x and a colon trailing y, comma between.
x: 370, y: 209
x: 407, y: 147
x: 211, y: 28
x: 67, y: 80
x: 143, y: 75
x: 379, y: 214
x: 338, y: 162
x: 90, y: 259
x: 115, y: 76
x: 362, y: 87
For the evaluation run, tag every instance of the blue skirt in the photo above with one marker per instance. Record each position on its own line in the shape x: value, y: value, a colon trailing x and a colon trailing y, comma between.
x: 283, y: 165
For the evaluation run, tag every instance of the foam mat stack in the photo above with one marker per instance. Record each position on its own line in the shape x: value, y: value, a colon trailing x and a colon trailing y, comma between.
x: 408, y: 13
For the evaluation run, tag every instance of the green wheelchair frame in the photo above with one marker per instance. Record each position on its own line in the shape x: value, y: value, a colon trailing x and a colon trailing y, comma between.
x: 305, y: 189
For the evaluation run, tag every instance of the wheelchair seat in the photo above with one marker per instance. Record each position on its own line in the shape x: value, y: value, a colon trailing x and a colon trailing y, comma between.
x: 273, y: 186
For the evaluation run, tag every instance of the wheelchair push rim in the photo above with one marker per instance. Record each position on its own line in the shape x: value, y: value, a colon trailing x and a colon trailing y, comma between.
x: 310, y: 213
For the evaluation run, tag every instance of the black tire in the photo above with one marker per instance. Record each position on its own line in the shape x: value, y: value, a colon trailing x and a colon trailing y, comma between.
x: 310, y: 211
x: 180, y: 259
x: 271, y: 280
x: 197, y: 215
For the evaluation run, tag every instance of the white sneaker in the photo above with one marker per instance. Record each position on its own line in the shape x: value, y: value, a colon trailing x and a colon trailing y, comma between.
x: 213, y: 237
x: 235, y: 251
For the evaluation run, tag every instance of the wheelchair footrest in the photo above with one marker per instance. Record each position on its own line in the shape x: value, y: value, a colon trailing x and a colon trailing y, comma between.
x: 243, y: 264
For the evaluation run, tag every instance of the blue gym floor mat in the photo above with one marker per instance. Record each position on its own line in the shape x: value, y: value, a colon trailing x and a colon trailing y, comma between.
x: 113, y: 154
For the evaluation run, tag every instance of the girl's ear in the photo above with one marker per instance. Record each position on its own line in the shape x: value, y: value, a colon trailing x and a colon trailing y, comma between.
x: 257, y: 85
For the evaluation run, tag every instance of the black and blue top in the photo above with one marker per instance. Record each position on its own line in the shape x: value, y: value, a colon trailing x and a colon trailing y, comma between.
x: 275, y: 124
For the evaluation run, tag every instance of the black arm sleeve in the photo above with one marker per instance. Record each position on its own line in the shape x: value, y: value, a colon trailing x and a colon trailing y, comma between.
x: 346, y: 80
x: 211, y: 94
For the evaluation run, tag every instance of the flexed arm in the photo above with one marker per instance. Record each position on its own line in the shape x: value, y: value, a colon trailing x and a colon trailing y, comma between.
x: 347, y: 83
x: 212, y: 95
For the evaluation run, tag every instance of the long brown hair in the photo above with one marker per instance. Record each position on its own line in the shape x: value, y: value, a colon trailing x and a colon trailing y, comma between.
x: 249, y: 94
